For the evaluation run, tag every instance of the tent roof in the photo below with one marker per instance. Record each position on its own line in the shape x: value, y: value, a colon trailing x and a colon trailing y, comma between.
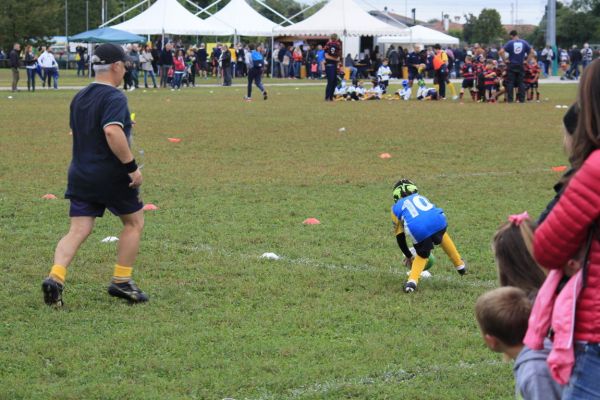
x: 243, y: 19
x: 344, y: 17
x: 106, y: 35
x: 168, y: 16
x: 421, y: 34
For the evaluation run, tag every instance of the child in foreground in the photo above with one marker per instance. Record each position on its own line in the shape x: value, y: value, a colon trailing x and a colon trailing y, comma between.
x: 417, y: 217
x: 502, y: 315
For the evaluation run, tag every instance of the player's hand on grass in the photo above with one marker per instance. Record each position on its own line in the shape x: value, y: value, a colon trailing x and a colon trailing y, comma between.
x: 408, y: 262
x: 136, y: 178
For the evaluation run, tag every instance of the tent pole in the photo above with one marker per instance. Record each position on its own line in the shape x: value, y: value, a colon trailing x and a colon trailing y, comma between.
x: 272, y: 51
x: 206, y: 8
x: 262, y: 3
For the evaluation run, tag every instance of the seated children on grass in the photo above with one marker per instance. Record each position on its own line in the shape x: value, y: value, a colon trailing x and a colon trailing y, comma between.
x: 376, y: 92
x: 405, y: 92
x: 415, y: 216
x: 425, y: 93
x: 356, y: 91
x: 502, y: 315
x: 341, y: 90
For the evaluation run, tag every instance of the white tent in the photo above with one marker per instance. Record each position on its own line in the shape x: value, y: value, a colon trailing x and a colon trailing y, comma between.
x: 344, y: 17
x: 420, y: 34
x: 168, y: 16
x: 243, y: 19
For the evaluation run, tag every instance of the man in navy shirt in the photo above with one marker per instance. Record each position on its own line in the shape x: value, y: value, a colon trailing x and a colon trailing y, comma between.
x: 103, y: 174
x: 517, y: 50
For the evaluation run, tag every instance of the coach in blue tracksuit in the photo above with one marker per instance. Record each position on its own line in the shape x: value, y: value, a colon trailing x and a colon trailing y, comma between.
x: 517, y: 50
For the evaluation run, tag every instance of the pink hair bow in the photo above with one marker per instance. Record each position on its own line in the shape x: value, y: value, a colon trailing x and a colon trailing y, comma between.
x: 518, y: 219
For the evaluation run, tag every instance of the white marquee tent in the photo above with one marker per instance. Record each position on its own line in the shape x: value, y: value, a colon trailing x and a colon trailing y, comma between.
x: 422, y: 35
x: 170, y: 17
x: 344, y: 17
x: 243, y: 19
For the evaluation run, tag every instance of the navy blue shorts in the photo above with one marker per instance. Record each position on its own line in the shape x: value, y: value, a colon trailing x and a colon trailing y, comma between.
x: 412, y: 75
x: 468, y: 83
x: 83, y: 208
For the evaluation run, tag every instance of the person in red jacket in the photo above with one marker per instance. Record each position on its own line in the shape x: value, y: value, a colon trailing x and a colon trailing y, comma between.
x: 566, y: 229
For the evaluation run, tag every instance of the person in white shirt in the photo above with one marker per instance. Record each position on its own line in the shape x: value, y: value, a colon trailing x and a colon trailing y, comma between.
x: 383, y: 73
x: 586, y: 55
x: 49, y: 67
x: 405, y: 92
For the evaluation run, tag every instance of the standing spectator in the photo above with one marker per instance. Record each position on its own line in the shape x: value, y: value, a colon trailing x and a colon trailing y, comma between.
x: 240, y: 55
x: 166, y: 63
x: 178, y: 69
x: 547, y: 57
x: 49, y: 67
x: 155, y: 57
x: 297, y: 57
x: 233, y: 57
x: 320, y: 61
x: 134, y: 56
x: 190, y: 63
x: 146, y: 65
x: 568, y: 230
x: 575, y: 56
x: 333, y: 52
x: 215, y: 57
x: 80, y: 58
x: 2, y: 55
x: 586, y: 55
x: 459, y: 60
x: 285, y: 62
x: 254, y: 62
x: 14, y: 61
x: 203, y: 61
x: 225, y: 62
x: 276, y: 63
x: 31, y: 67
x: 349, y: 63
x: 440, y: 68
x: 517, y: 50
x: 103, y: 174
x: 394, y: 59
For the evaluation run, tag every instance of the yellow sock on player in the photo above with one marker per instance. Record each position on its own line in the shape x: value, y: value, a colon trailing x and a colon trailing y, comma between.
x: 451, y: 251
x: 452, y: 89
x: 418, y: 266
x: 122, y: 273
x: 58, y: 273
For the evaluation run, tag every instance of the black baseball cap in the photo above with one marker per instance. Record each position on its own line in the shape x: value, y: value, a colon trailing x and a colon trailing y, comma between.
x: 108, y: 53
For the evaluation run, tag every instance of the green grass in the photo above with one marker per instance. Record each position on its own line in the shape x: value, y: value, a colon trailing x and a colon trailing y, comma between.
x: 329, y: 320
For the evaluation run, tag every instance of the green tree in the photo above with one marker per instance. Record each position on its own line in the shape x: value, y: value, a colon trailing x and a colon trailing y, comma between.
x: 27, y: 21
x: 469, y: 28
x: 488, y: 28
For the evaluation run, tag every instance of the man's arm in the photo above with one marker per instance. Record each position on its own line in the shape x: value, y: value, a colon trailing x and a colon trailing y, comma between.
x: 117, y: 141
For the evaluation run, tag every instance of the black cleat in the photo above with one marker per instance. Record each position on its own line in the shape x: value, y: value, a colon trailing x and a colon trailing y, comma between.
x: 462, y: 269
x: 128, y: 291
x: 265, y: 95
x: 410, y: 287
x: 52, y: 292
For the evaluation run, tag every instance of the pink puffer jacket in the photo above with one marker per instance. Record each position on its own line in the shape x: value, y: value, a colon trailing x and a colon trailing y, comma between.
x: 564, y: 232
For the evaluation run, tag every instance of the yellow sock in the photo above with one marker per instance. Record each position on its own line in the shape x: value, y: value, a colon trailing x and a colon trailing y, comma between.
x: 58, y: 273
x: 452, y: 89
x: 122, y: 273
x: 450, y: 249
x: 418, y: 265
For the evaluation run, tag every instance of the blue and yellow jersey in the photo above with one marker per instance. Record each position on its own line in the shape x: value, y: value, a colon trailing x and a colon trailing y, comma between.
x: 417, y: 217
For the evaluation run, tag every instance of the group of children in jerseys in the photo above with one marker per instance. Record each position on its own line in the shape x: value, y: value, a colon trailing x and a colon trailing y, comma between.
x: 530, y: 318
x: 484, y: 79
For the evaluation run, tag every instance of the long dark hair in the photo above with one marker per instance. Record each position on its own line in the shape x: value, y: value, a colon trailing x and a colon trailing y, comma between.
x: 587, y: 134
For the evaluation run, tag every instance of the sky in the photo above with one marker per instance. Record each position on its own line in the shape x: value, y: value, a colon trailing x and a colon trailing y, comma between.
x: 526, y: 11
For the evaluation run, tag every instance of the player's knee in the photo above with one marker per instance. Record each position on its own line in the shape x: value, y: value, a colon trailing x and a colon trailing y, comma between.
x: 135, y: 224
x: 81, y: 232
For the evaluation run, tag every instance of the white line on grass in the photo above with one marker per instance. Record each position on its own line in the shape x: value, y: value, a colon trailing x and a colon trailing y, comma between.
x: 454, y: 279
x: 392, y: 374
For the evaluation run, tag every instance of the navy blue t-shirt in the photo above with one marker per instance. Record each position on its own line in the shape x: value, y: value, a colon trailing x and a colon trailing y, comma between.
x: 96, y: 174
x: 517, y: 51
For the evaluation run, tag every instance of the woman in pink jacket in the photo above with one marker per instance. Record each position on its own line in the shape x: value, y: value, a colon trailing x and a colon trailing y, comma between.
x: 565, y: 232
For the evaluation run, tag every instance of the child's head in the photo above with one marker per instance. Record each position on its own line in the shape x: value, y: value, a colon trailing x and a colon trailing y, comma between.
x: 512, y: 247
x: 502, y: 315
x: 405, y: 83
x: 570, y: 123
x: 489, y: 63
x: 421, y: 83
x: 404, y: 188
x: 385, y: 61
x: 468, y: 59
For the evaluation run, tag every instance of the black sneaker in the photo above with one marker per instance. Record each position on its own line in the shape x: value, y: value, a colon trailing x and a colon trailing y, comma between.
x: 410, y: 287
x: 52, y: 292
x: 265, y: 95
x: 128, y: 291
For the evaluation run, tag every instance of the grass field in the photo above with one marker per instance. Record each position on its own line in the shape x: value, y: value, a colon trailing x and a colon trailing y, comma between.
x: 327, y: 321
